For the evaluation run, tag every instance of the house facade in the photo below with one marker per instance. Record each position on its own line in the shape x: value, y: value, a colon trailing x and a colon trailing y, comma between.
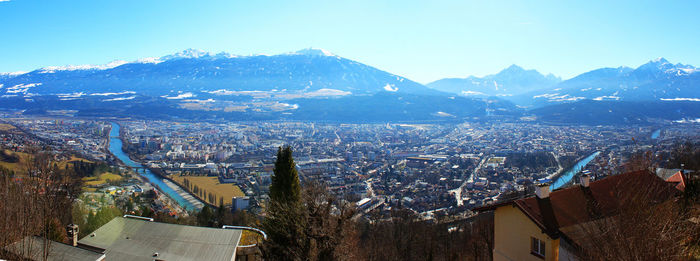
x: 548, y: 226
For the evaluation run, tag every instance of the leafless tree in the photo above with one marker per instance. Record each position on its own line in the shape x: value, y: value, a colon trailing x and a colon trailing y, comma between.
x: 405, y: 237
x: 319, y: 228
x: 36, y: 202
x: 648, y: 224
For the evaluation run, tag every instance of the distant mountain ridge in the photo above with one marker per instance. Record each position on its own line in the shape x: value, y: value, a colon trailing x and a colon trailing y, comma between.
x: 510, y: 81
x: 314, y: 84
x: 310, y: 84
x: 657, y: 80
x: 194, y: 71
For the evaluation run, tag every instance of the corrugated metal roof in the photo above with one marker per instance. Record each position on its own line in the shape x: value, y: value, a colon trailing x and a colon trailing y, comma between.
x: 133, y: 239
x: 34, y: 247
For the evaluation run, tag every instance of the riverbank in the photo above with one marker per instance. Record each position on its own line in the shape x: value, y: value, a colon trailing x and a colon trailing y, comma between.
x: 566, y: 177
x: 187, y: 196
x: 563, y: 170
x: 177, y: 195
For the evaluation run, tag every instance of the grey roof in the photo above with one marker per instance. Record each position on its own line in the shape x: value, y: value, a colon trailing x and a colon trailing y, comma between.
x: 32, y: 248
x: 134, y: 239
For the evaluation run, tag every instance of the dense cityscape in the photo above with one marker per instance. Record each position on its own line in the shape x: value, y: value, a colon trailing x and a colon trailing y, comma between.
x: 435, y: 170
x: 349, y: 130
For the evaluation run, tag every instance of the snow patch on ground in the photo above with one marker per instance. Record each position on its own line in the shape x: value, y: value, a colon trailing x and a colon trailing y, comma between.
x: 556, y: 97
x: 468, y: 93
x: 443, y: 114
x: 200, y: 101
x: 546, y: 95
x: 565, y: 97
x: 688, y: 121
x: 179, y: 96
x: 228, y: 92
x: 681, y: 99
x: 611, y: 97
x: 390, y: 88
x: 327, y: 92
x: 120, y: 99
x: 21, y: 88
x: 71, y: 95
x: 112, y: 93
x: 290, y: 106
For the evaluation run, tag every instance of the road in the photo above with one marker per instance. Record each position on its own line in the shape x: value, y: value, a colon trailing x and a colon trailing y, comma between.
x: 338, y: 140
x: 458, y: 191
x: 559, y: 170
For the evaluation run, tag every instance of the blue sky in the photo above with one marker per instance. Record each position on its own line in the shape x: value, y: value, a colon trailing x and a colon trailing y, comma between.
x: 421, y: 40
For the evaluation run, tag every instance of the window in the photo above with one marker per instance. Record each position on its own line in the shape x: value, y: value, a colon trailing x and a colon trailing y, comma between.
x: 537, y: 247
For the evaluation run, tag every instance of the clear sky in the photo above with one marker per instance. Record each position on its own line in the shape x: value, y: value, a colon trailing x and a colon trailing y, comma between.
x: 421, y: 40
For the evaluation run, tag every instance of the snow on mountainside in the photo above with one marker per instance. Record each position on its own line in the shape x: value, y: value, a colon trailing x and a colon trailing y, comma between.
x: 313, y: 52
x: 196, y: 71
x: 511, y: 81
x: 656, y: 80
x: 310, y: 84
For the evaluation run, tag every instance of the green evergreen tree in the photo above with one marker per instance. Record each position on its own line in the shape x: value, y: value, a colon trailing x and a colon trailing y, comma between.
x: 285, y: 221
x: 285, y: 186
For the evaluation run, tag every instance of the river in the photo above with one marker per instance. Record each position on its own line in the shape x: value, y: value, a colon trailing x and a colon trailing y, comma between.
x: 115, y: 147
x: 569, y: 174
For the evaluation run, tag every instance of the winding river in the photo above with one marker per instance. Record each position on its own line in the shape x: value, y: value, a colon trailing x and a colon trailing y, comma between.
x: 569, y: 174
x: 115, y: 146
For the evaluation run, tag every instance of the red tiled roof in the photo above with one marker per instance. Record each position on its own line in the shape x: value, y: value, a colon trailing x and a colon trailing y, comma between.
x: 679, y: 179
x: 576, y: 204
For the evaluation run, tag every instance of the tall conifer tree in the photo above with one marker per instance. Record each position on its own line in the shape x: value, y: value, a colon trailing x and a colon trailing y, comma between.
x: 285, y: 186
x: 285, y: 222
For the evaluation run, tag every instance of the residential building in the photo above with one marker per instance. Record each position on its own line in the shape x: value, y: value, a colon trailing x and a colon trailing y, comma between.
x: 548, y: 225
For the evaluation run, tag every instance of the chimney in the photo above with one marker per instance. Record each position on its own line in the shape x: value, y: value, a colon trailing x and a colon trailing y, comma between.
x: 585, y: 179
x: 72, y: 231
x: 542, y: 189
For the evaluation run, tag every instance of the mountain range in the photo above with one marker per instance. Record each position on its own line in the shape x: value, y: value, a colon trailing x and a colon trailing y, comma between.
x: 657, y: 80
x: 511, y: 81
x: 314, y: 84
x: 194, y: 71
x: 307, y: 84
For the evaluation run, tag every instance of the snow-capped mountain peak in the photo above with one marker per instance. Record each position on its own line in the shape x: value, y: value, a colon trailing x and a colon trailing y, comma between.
x: 186, y: 54
x: 513, y: 68
x: 12, y: 74
x: 153, y: 60
x: 112, y: 64
x: 313, y: 52
x: 659, y: 60
x: 662, y: 65
x: 224, y: 55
